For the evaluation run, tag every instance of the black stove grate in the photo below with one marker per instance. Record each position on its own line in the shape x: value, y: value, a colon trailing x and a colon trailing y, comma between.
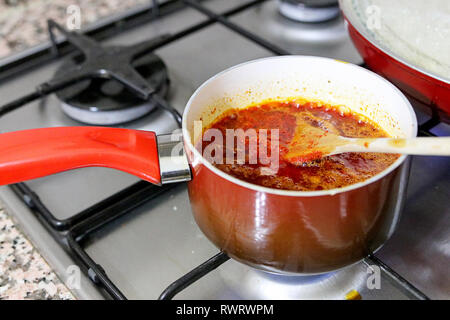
x: 71, y: 233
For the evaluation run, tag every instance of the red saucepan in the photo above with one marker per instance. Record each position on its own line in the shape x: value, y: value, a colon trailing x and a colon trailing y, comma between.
x: 379, y: 30
x: 274, y: 230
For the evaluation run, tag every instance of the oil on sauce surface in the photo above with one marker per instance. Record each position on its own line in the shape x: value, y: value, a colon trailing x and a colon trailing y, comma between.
x: 330, y: 172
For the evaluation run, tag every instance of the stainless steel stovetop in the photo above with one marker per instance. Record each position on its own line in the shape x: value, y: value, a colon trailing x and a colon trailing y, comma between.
x: 157, y: 242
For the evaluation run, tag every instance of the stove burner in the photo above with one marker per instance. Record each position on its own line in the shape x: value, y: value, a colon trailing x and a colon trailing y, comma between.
x: 100, y: 101
x: 309, y: 10
x: 255, y: 284
x: 110, y: 85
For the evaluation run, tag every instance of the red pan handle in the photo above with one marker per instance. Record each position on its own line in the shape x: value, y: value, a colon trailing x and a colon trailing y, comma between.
x: 36, y: 153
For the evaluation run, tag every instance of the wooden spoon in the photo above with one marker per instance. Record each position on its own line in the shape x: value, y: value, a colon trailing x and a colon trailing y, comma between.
x: 312, y: 143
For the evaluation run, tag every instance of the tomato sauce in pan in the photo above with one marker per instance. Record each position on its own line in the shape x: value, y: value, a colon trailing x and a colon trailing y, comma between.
x: 330, y: 172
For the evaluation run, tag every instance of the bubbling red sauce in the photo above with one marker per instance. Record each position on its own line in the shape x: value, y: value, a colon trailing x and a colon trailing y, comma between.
x: 330, y: 172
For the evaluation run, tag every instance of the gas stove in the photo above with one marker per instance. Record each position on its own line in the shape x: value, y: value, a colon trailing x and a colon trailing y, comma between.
x: 133, y: 240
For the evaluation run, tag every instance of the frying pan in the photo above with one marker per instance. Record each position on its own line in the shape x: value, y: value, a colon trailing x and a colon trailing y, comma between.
x: 398, y: 58
x: 281, y: 231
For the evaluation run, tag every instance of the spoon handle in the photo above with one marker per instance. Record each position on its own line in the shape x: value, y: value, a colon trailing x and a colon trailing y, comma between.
x: 439, y: 146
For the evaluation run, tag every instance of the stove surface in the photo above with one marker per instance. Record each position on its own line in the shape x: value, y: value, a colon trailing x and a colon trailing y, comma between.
x: 158, y: 242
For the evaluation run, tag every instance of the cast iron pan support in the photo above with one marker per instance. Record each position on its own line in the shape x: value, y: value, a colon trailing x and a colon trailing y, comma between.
x: 100, y: 62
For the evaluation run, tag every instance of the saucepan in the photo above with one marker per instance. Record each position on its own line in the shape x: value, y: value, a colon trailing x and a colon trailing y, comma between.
x: 406, y: 42
x: 281, y: 231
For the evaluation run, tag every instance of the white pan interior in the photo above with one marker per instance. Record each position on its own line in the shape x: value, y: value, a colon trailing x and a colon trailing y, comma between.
x: 312, y: 78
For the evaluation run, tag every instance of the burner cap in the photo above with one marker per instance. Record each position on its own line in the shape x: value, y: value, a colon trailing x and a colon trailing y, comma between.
x: 308, y: 10
x: 106, y: 101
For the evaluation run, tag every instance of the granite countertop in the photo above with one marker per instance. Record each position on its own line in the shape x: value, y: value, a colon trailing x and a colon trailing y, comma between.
x: 23, y: 23
x: 24, y: 274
